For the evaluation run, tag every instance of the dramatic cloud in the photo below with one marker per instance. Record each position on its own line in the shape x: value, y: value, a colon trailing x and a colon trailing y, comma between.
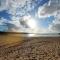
x: 24, y: 24
x: 27, y: 24
x: 23, y: 18
x: 6, y: 25
x: 49, y: 9
x: 17, y: 9
x: 20, y: 7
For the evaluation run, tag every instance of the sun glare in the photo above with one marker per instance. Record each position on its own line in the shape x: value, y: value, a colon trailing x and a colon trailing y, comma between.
x: 31, y: 22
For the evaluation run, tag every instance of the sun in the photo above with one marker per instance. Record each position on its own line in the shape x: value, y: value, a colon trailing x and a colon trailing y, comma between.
x: 30, y: 21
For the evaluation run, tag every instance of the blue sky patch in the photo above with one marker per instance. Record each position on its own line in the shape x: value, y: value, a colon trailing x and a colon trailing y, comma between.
x: 5, y: 15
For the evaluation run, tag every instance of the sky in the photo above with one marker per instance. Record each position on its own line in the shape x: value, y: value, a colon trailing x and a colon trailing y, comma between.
x: 31, y: 16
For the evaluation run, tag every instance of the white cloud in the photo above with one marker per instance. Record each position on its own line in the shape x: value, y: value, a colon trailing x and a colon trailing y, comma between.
x: 15, y: 25
x: 55, y: 26
x: 9, y: 24
x: 19, y: 7
x: 3, y: 21
x: 26, y: 24
x: 15, y: 8
x: 4, y: 5
x: 52, y: 8
x: 3, y: 25
x: 22, y: 23
x: 49, y: 9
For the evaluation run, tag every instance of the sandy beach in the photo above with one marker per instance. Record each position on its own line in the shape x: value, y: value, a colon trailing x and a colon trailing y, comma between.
x: 17, y: 47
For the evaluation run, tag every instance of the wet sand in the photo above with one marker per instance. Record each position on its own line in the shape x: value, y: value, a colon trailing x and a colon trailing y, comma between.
x: 17, y: 47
